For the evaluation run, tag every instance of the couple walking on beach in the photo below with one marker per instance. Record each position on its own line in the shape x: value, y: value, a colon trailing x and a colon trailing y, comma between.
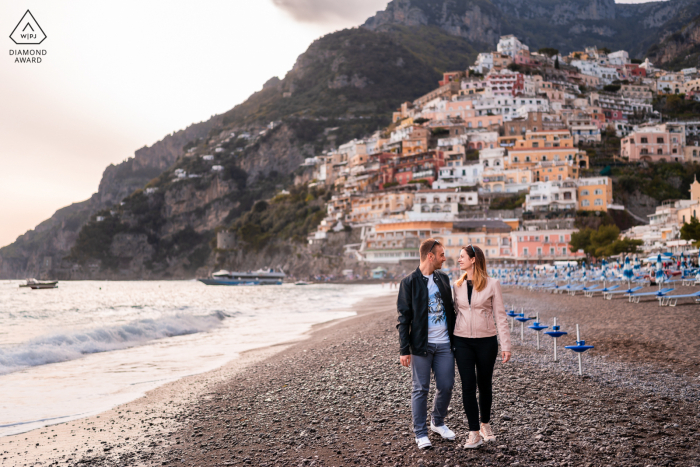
x: 438, y: 327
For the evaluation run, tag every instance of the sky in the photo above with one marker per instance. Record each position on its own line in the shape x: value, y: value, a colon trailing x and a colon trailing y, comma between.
x: 120, y: 75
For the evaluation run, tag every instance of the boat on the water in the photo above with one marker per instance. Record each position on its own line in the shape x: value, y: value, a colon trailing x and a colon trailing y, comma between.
x: 35, y: 284
x: 301, y: 283
x: 259, y: 277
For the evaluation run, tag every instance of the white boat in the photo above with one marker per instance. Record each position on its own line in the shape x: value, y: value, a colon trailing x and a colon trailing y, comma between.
x: 259, y: 277
x: 37, y: 285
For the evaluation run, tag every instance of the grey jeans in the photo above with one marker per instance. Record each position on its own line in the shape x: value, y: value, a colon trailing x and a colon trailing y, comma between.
x: 441, y: 361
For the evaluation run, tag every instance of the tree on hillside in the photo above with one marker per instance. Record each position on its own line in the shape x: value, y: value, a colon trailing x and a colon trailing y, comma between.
x: 691, y: 230
x: 548, y: 51
x: 602, y: 242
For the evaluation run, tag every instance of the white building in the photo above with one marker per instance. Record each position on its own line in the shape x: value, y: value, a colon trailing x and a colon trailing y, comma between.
x: 619, y: 58
x: 484, y: 62
x: 440, y: 205
x: 510, y: 45
x: 492, y: 158
x: 551, y: 196
x: 458, y: 175
x: 605, y: 74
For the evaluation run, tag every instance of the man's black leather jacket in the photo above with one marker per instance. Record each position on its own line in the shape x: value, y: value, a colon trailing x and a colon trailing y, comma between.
x: 412, y: 306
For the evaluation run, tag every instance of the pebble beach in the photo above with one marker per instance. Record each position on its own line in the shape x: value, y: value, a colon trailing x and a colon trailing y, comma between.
x: 340, y: 398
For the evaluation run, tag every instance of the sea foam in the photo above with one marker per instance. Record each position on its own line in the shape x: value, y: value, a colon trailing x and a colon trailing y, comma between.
x: 65, y: 346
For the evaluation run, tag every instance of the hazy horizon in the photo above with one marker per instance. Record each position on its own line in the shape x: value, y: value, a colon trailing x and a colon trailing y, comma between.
x: 121, y: 76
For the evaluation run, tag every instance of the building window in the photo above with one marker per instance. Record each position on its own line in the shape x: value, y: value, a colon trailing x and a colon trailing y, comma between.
x: 644, y: 141
x: 659, y: 151
x: 539, y: 251
x: 585, y: 202
x: 660, y: 140
x: 525, y: 252
x: 584, y: 193
x: 598, y: 202
x: 598, y: 191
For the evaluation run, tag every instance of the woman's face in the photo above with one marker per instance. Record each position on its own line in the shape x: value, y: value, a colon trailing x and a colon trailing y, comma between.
x: 465, y: 262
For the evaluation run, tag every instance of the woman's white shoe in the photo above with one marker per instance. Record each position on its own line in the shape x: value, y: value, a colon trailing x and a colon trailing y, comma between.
x: 474, y: 440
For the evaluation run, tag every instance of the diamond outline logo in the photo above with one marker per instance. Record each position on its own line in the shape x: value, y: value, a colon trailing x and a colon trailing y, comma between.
x: 27, y: 20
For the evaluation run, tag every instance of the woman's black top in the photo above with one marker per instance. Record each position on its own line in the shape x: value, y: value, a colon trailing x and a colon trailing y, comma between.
x: 469, y: 291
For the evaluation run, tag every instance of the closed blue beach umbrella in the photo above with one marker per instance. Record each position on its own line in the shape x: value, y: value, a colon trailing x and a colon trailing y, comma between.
x: 627, y: 271
x: 659, y: 276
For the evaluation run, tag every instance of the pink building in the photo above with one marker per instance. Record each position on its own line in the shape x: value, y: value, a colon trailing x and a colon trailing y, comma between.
x: 505, y: 83
x: 550, y: 245
x: 654, y: 143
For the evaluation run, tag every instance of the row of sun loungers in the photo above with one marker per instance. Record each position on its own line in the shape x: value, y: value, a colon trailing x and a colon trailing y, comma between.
x: 633, y: 294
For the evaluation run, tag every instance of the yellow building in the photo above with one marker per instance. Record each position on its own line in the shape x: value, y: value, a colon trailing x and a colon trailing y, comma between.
x: 554, y: 171
x: 692, y: 209
x: 594, y: 194
x: 379, y: 205
x: 506, y: 180
x: 399, y: 241
x: 544, y: 146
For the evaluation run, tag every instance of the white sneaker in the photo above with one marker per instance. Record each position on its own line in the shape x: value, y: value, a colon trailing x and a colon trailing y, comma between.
x: 423, y: 443
x: 443, y: 431
x: 474, y: 440
x: 487, y: 433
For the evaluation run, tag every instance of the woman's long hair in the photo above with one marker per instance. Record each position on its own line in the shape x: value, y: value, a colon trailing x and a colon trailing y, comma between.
x: 480, y: 276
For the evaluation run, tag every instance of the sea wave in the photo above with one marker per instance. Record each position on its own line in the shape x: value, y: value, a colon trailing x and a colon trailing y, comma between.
x: 65, y: 346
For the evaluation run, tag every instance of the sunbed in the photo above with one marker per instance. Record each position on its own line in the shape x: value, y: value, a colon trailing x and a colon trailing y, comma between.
x: 659, y: 293
x: 608, y: 295
x: 589, y: 293
x: 672, y: 300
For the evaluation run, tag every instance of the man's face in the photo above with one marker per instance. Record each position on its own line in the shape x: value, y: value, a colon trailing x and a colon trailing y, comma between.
x: 438, y: 256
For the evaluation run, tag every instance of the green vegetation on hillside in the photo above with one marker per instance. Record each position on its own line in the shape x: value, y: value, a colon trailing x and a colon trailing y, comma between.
x: 285, y: 217
x: 507, y: 202
x: 676, y: 107
x: 602, y: 242
x: 661, y: 181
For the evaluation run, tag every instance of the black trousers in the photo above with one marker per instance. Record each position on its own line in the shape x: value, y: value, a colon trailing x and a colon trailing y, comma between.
x: 475, y: 361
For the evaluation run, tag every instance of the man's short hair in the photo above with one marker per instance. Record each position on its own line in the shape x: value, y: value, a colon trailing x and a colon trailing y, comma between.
x: 426, y: 246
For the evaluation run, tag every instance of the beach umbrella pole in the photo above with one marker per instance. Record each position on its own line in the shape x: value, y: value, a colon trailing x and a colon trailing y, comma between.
x: 578, y: 338
x: 555, y: 342
x: 538, y: 334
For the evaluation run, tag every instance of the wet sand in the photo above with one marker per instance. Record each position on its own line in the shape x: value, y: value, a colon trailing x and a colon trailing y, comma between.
x: 340, y: 398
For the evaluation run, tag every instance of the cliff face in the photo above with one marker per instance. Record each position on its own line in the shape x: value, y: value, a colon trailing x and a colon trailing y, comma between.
x: 680, y: 49
x: 564, y: 24
x: 41, y: 250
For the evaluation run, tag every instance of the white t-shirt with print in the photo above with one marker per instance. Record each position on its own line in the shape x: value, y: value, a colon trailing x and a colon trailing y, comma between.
x: 437, y: 320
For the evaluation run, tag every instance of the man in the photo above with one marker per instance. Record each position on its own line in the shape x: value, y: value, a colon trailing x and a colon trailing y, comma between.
x: 426, y: 323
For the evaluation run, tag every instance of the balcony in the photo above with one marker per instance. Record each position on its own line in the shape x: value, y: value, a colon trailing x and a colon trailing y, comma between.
x: 423, y: 174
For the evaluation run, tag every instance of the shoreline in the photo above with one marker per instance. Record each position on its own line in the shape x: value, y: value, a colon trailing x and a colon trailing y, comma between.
x: 129, y: 426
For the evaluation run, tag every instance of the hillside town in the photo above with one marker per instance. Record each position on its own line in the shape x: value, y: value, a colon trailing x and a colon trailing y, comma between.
x: 498, y: 156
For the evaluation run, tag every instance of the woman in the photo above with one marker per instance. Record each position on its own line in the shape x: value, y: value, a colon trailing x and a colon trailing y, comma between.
x: 478, y: 301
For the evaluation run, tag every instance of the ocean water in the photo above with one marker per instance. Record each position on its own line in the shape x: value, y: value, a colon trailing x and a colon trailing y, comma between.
x: 88, y: 346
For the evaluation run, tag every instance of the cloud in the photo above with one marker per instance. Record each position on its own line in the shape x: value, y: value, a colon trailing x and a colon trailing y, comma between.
x: 342, y: 12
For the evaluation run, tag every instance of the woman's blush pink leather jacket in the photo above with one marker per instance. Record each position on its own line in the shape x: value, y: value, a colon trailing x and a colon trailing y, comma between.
x: 485, y: 317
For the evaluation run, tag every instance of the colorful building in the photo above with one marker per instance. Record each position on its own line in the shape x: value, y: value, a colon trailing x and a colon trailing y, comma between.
x: 654, y: 143
x: 594, y: 193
